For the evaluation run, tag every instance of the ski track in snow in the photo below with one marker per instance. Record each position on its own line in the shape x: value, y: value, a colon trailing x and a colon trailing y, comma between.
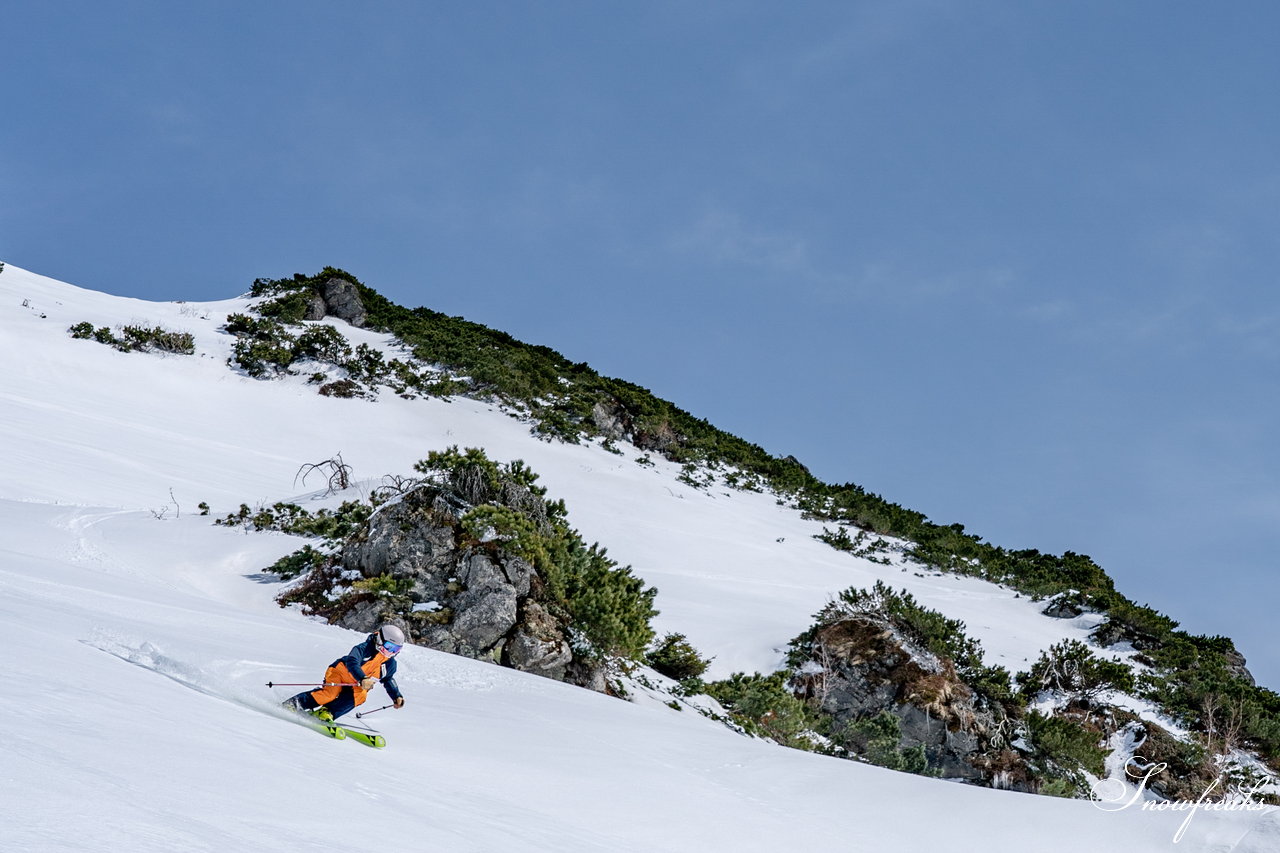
x: 107, y: 455
x: 146, y: 656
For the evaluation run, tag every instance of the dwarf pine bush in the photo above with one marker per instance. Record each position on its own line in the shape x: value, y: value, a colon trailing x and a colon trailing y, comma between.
x: 1069, y: 667
x: 675, y: 657
x: 763, y: 706
x: 140, y: 338
x: 299, y: 562
x: 331, y: 525
x: 876, y: 739
x: 1066, y: 743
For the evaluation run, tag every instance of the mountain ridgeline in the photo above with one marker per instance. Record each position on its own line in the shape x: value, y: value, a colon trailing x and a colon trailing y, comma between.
x: 865, y: 681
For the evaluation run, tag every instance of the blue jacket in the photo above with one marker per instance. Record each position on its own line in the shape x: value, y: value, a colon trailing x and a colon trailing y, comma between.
x: 364, y: 652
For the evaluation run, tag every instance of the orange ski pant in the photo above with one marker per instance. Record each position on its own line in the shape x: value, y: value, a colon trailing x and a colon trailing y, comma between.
x: 338, y: 678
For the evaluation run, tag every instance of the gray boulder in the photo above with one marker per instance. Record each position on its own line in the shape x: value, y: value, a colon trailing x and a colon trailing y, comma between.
x: 315, y: 309
x: 1236, y: 666
x: 342, y: 300
x: 611, y: 420
x: 538, y: 645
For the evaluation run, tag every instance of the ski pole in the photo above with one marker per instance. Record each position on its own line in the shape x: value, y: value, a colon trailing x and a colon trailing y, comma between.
x: 374, y: 711
x: 312, y: 684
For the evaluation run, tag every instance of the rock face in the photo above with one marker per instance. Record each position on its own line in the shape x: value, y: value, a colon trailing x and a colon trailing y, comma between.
x: 1236, y: 666
x: 339, y: 298
x: 454, y: 594
x: 315, y: 309
x: 538, y: 645
x: 611, y: 419
x: 863, y: 667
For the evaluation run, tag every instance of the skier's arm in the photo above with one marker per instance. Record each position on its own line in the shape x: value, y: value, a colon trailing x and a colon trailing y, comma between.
x: 389, y: 679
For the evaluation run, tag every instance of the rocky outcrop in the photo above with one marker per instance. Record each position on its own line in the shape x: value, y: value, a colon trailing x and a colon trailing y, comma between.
x: 337, y: 297
x: 1236, y: 666
x: 611, y: 420
x: 538, y: 644
x: 452, y: 593
x: 862, y: 667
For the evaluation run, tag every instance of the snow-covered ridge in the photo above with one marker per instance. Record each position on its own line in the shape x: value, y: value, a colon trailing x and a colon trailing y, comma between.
x: 107, y: 455
x: 192, y: 425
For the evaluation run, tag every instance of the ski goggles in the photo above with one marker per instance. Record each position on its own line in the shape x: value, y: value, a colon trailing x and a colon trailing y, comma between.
x: 391, y: 648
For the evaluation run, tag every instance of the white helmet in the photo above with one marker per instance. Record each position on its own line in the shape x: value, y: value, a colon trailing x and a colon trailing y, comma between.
x: 389, y: 639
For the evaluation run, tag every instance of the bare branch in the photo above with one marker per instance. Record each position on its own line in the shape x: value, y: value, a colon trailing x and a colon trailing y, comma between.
x: 339, y: 474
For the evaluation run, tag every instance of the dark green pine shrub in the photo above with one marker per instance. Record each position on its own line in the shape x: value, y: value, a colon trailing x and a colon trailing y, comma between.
x: 142, y: 338
x: 611, y: 606
x: 1066, y: 787
x: 1072, y: 669
x: 1195, y: 683
x: 263, y: 347
x: 366, y: 363
x: 1141, y: 626
x: 332, y: 525
x: 1066, y: 743
x: 763, y: 706
x: 876, y: 739
x: 158, y: 338
x: 676, y: 658
x: 272, y: 342
x: 300, y: 562
x: 291, y: 307
x: 321, y: 343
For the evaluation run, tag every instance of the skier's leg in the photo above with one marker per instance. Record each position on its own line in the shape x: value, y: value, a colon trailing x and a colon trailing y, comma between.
x: 312, y: 699
x: 343, y: 704
x: 302, y: 702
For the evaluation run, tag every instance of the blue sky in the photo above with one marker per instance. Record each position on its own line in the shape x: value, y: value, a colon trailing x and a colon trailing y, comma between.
x: 1008, y: 264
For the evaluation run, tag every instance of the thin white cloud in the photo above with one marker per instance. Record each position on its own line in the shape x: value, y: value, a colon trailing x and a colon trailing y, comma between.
x: 724, y: 238
x: 874, y: 27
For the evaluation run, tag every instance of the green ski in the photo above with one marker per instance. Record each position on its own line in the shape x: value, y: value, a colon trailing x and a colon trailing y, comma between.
x: 325, y: 725
x: 366, y: 738
x: 335, y: 732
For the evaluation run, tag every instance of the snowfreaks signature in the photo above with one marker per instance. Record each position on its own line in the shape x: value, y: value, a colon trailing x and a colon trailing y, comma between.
x: 1111, y: 795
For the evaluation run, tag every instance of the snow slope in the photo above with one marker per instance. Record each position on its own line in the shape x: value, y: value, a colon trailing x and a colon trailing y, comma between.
x: 141, y: 638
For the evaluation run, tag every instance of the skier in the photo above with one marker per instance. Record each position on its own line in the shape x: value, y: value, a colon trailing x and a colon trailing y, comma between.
x: 349, y: 679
